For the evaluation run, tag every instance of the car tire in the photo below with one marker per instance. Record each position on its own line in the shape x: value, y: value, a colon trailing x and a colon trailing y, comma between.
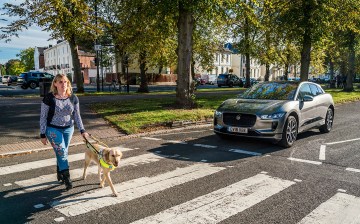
x: 32, y: 85
x: 289, y: 132
x: 231, y: 84
x: 329, y: 119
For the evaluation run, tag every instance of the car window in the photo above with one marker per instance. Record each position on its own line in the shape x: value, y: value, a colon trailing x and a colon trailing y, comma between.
x: 315, y: 90
x: 271, y: 91
x: 42, y: 75
x: 304, y: 90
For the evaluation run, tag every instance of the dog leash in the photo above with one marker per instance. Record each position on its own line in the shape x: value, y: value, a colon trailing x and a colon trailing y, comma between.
x: 98, y: 153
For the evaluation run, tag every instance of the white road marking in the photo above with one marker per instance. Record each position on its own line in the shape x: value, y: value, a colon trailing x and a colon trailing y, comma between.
x: 350, y: 140
x: 223, y: 203
x: 149, y: 138
x: 49, y: 180
x: 206, y: 146
x: 133, y: 189
x: 264, y: 172
x: 297, y: 180
x: 322, y: 152
x: 177, y: 142
x: 352, y: 170
x: 44, y: 163
x: 245, y: 152
x: 60, y: 219
x: 185, y: 132
x: 305, y: 161
x: 7, y: 185
x: 342, y: 190
x: 341, y: 208
x: 38, y: 206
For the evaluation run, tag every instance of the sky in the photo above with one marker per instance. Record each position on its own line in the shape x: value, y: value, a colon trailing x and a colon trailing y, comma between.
x: 33, y: 37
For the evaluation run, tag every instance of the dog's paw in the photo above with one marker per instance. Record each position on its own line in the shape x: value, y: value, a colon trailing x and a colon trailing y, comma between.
x: 115, y: 194
x: 102, y: 185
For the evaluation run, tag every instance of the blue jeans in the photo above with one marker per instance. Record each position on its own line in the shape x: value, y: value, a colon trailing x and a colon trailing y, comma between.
x: 60, y: 140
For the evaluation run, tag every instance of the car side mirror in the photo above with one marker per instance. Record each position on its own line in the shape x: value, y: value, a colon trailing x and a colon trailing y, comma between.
x: 308, y: 98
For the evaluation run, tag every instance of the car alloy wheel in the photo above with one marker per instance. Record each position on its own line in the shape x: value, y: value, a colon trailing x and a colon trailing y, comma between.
x: 290, y: 132
x: 329, y: 119
x: 32, y: 85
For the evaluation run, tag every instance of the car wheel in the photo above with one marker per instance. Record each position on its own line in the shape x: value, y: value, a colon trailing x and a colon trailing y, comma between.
x: 32, y: 85
x: 290, y: 132
x: 329, y: 119
x: 231, y: 84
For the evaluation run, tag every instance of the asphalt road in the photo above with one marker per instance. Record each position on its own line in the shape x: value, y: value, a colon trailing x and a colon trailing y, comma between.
x: 192, y: 176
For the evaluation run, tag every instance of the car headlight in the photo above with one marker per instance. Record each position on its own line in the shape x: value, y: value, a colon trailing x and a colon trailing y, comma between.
x: 217, y: 113
x: 272, y: 116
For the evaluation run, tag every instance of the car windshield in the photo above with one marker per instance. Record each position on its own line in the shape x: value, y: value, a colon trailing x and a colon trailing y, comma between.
x: 271, y: 91
x: 22, y: 75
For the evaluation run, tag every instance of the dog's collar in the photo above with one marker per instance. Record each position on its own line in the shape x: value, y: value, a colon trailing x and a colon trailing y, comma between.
x: 102, y: 161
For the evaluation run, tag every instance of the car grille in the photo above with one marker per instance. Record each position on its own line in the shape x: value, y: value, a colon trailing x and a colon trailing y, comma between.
x: 246, y: 120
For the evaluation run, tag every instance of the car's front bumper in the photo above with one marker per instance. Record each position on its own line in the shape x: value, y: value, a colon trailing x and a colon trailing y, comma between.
x: 266, y: 129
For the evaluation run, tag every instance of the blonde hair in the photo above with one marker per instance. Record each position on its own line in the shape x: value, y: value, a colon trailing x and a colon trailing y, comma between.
x: 57, y: 78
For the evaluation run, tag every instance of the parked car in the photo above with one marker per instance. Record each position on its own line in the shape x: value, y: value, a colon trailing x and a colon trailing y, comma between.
x: 32, y: 79
x: 12, y: 80
x: 276, y: 110
x: 4, y: 79
x: 228, y: 80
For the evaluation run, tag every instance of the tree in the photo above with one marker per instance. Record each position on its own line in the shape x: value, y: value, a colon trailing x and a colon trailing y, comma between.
x: 64, y: 19
x: 27, y: 58
x: 14, y: 67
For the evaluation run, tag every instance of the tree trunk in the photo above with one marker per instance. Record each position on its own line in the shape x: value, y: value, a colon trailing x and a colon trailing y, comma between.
x: 286, y: 72
x: 306, y: 44
x: 351, y: 72
x: 143, y: 80
x: 76, y: 65
x: 267, y: 72
x: 247, y: 54
x: 185, y: 42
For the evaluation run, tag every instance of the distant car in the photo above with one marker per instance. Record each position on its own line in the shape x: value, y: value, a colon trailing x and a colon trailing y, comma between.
x: 276, y: 110
x: 32, y: 79
x: 4, y: 79
x: 228, y: 80
x: 12, y: 80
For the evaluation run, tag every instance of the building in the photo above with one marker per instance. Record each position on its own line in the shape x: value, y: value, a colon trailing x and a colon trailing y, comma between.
x: 39, y: 58
x: 58, y: 60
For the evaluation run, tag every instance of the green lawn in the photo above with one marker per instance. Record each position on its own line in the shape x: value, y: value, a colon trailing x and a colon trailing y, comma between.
x: 137, y: 116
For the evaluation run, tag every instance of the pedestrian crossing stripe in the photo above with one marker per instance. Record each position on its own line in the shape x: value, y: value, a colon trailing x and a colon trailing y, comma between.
x: 5, y: 170
x: 223, y: 203
x: 132, y: 189
x: 46, y: 181
x: 341, y: 208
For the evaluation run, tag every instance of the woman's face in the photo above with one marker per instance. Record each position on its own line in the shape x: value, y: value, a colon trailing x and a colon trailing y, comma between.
x: 61, y: 85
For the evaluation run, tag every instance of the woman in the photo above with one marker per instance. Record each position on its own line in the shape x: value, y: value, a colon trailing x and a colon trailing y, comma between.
x: 59, y: 110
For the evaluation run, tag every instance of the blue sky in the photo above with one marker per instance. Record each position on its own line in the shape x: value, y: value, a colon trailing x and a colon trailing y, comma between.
x: 32, y: 37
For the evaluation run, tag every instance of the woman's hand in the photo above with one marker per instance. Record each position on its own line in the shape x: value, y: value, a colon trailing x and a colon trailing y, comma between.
x: 44, y: 141
x: 85, y: 135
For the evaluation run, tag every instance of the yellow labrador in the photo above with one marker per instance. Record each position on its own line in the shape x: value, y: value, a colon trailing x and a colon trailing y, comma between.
x: 107, y: 160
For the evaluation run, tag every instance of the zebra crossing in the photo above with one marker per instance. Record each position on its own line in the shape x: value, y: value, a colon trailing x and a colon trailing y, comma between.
x: 212, y: 207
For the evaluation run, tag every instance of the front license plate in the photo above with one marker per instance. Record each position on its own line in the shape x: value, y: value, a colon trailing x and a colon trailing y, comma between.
x: 238, y: 130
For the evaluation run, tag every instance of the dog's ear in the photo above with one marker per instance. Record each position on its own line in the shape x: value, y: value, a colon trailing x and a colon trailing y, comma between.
x: 106, y: 154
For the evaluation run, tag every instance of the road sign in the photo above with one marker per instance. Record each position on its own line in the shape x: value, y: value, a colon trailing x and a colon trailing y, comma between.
x: 97, y: 47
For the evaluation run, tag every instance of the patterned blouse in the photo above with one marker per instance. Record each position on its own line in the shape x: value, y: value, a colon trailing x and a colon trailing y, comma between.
x: 65, y: 111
